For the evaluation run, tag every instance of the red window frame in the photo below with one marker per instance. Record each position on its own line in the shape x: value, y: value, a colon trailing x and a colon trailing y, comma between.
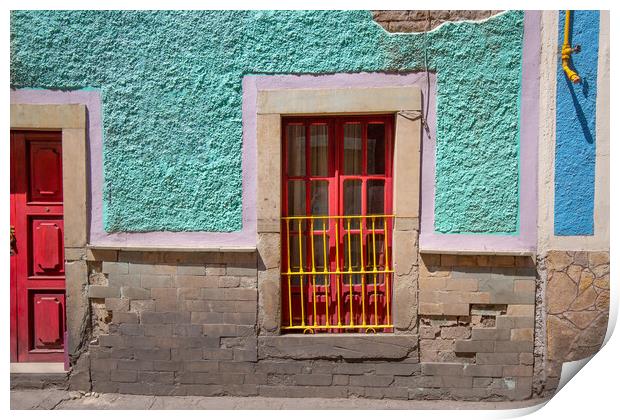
x: 348, y: 299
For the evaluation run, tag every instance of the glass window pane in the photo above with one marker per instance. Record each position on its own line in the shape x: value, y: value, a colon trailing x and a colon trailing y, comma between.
x: 297, y: 257
x: 352, y: 160
x: 355, y: 260
x: 321, y: 251
x: 374, y: 252
x: 319, y: 202
x: 375, y: 201
x: 296, y: 140
x: 296, y: 198
x: 319, y: 150
x: 352, y: 201
x: 375, y: 149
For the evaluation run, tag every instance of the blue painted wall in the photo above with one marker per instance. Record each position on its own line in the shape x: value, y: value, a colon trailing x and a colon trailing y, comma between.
x: 575, y: 152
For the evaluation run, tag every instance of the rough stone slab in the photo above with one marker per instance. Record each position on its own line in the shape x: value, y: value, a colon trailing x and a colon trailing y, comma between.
x: 475, y: 346
x: 329, y: 347
x: 447, y: 369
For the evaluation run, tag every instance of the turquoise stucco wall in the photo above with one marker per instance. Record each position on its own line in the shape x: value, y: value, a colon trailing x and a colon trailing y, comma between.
x: 171, y: 92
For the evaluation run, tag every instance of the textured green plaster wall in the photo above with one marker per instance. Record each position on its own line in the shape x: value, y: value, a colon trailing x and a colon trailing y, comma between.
x: 171, y: 92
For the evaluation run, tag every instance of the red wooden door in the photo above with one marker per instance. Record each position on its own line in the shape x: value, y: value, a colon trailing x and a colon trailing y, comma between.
x: 37, y: 250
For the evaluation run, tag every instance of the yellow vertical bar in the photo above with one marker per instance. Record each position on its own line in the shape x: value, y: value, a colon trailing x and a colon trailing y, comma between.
x: 288, y: 275
x: 301, y: 277
x: 362, y: 268
x: 350, y: 270
x: 387, y: 267
x: 288, y: 246
x: 313, y: 272
x: 374, y: 267
x: 290, y: 302
x: 338, y: 275
x: 325, y: 276
x: 386, y: 242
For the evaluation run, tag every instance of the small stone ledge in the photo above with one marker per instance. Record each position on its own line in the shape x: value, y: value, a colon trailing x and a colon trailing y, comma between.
x: 349, y: 347
x: 39, y: 380
x: 449, y: 251
x: 167, y: 248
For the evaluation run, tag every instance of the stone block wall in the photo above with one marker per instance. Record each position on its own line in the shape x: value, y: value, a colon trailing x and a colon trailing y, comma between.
x: 174, y: 323
x: 476, y: 325
x: 166, y: 323
x: 577, y: 307
x: 425, y: 20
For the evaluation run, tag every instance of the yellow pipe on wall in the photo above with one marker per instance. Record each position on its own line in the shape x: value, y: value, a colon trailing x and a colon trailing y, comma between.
x: 567, y: 51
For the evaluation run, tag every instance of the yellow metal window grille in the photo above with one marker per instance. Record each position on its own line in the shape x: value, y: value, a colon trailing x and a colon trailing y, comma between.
x: 337, y: 274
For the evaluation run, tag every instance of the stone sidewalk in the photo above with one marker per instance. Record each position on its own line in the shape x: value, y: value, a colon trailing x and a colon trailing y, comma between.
x: 55, y: 399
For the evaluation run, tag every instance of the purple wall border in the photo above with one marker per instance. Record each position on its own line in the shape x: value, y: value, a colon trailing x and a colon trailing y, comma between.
x: 525, y: 241
x: 251, y: 85
x: 97, y: 236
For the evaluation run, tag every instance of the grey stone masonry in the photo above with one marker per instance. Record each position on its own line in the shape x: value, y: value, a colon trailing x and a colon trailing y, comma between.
x: 477, y: 320
x: 171, y: 323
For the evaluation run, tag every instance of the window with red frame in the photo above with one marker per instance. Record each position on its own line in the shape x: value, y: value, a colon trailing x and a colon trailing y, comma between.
x: 336, y: 224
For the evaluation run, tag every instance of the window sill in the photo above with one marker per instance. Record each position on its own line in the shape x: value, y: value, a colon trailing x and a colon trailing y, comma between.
x: 516, y: 252
x: 164, y: 248
x: 332, y: 346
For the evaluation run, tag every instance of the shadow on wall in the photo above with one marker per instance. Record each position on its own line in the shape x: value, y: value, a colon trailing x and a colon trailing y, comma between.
x: 583, y: 89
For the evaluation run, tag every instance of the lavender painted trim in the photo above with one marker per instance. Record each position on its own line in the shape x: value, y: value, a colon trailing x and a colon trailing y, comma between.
x: 526, y: 240
x: 251, y: 85
x: 97, y: 236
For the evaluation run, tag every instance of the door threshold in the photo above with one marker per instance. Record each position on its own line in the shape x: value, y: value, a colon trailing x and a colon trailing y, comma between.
x: 38, y: 368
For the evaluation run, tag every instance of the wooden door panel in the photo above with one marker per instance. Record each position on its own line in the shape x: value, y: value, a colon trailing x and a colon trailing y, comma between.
x: 37, y: 264
x: 47, y: 312
x: 47, y: 247
x: 45, y: 163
